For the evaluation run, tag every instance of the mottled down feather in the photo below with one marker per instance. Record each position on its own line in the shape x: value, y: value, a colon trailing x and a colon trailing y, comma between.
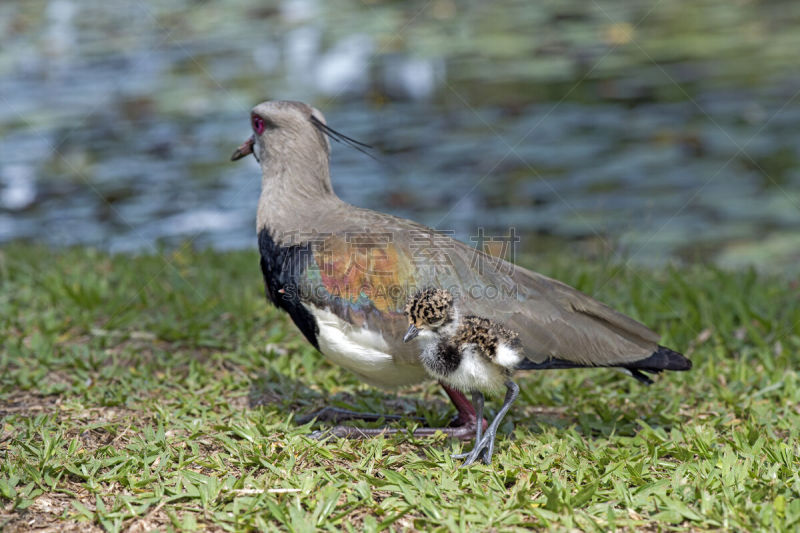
x: 485, y: 334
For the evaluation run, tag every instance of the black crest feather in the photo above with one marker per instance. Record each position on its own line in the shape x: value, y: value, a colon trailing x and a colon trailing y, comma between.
x: 341, y: 137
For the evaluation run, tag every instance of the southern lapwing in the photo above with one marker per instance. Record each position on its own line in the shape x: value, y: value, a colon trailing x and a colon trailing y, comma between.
x: 469, y: 353
x: 343, y: 274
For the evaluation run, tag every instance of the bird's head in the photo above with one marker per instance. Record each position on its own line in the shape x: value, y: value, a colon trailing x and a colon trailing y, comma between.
x: 292, y: 139
x: 284, y: 127
x: 430, y: 312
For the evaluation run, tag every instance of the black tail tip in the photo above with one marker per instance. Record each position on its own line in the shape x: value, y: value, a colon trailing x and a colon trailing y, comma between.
x: 672, y: 360
x: 662, y: 359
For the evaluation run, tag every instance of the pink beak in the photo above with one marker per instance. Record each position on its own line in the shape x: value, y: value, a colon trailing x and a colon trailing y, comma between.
x: 245, y: 149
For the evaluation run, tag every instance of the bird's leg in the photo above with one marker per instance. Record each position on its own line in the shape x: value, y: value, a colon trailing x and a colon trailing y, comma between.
x: 466, y: 411
x: 485, y: 446
x: 464, y: 426
x: 337, y: 414
x: 477, y: 401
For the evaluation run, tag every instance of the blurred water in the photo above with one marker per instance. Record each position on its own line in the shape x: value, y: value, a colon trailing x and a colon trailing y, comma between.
x: 660, y: 130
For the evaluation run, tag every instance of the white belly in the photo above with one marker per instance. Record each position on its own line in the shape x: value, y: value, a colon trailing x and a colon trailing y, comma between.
x: 363, y: 352
x: 475, y: 372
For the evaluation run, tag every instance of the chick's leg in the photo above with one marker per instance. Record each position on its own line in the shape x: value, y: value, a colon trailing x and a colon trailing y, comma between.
x: 485, y: 446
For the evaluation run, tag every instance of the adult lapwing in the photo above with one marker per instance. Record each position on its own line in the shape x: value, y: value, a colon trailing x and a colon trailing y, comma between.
x: 344, y: 273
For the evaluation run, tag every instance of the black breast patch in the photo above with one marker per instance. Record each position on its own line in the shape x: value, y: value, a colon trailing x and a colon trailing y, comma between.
x: 447, y: 359
x: 282, y: 268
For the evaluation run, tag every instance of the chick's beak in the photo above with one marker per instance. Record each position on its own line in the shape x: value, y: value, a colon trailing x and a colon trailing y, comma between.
x: 412, y: 332
x: 245, y: 149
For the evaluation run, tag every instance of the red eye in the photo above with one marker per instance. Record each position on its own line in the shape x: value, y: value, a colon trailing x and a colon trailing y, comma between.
x: 258, y: 124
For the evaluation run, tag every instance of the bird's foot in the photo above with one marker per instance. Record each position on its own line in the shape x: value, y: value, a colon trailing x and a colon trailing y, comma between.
x: 463, y: 427
x: 483, y: 449
x: 345, y: 432
x: 336, y: 414
x: 463, y: 432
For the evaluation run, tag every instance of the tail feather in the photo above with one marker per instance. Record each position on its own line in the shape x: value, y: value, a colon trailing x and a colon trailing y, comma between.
x: 662, y: 359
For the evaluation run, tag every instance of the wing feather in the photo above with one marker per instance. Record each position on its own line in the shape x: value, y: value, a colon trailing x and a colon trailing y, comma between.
x: 366, y: 280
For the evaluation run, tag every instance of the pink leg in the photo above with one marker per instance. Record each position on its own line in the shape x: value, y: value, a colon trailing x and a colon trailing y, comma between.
x: 466, y: 411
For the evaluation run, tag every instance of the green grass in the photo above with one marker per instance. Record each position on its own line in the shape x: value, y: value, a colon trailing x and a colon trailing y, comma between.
x: 159, y: 392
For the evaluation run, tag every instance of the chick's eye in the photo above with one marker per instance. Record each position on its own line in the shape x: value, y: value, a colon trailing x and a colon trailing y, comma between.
x: 258, y: 125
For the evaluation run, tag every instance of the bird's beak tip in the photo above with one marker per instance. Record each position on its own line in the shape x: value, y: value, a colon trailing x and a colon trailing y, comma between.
x: 411, y: 334
x: 245, y: 149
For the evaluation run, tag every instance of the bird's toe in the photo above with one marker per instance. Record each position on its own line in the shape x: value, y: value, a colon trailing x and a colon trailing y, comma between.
x: 320, y: 434
x: 479, y: 451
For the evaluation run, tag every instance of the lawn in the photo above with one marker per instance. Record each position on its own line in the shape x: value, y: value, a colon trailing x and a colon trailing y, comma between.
x: 160, y: 391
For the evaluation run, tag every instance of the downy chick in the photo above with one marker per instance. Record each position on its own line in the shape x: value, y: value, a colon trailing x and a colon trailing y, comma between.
x: 469, y: 353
